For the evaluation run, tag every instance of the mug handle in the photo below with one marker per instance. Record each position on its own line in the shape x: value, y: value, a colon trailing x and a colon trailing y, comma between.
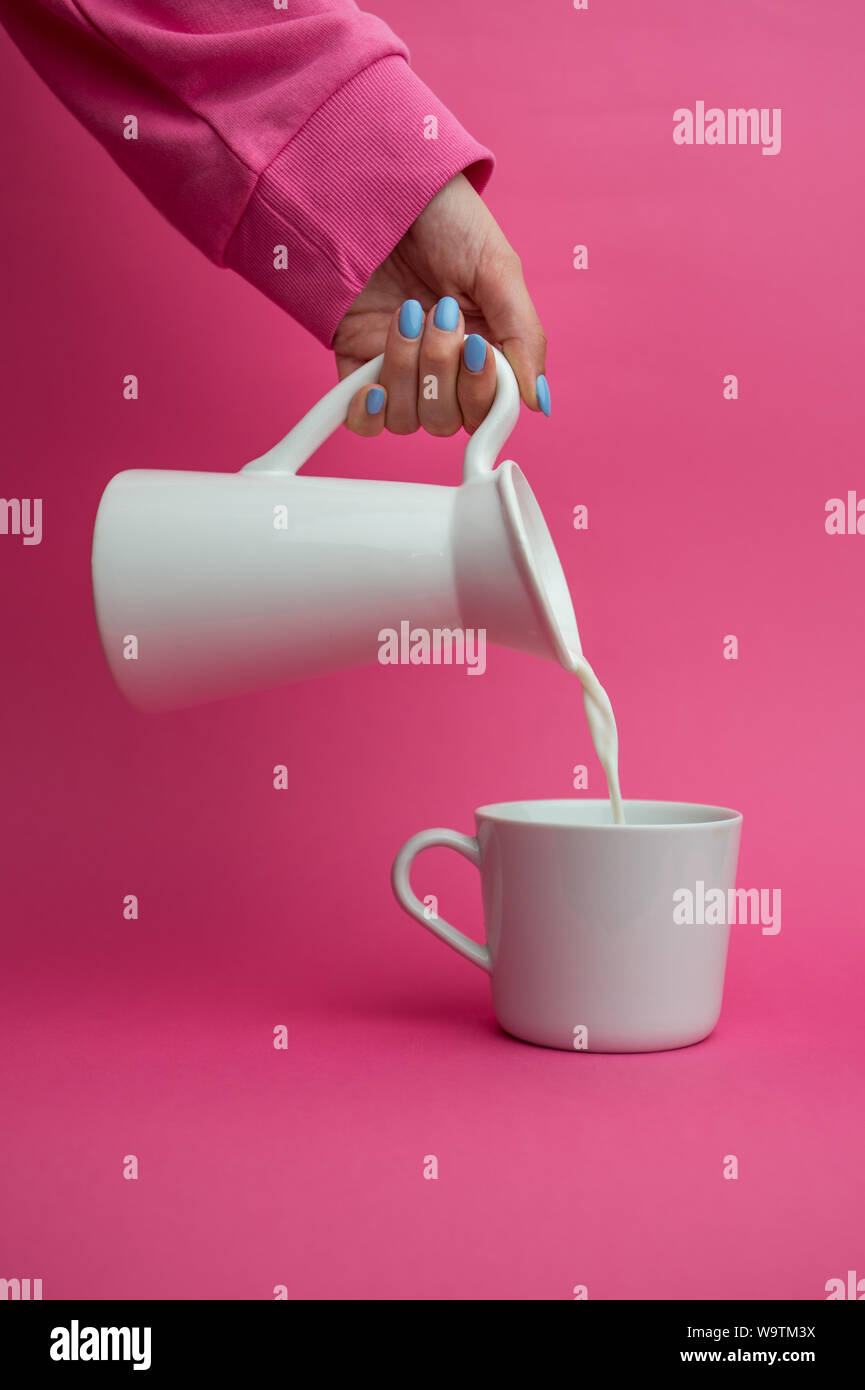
x: 481, y: 452
x: 468, y: 847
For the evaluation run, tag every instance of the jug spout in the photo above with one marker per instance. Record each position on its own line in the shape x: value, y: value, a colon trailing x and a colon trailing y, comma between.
x: 508, y: 575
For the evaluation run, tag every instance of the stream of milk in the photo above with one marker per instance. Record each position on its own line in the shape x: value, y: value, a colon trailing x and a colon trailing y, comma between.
x: 602, y: 727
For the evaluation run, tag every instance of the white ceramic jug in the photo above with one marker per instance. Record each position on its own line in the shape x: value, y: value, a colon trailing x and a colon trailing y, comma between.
x: 208, y: 585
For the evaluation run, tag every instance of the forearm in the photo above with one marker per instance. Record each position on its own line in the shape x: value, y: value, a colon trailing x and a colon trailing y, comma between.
x: 291, y: 145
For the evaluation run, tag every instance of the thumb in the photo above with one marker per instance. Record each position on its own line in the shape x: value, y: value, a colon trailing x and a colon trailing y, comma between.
x: 502, y: 297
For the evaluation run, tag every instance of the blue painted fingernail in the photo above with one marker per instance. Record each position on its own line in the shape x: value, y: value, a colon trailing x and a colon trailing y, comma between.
x: 447, y: 314
x: 543, y: 391
x: 475, y: 352
x: 411, y: 319
x: 374, y: 400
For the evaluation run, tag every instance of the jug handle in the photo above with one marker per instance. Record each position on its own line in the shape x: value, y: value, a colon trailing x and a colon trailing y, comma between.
x: 482, y: 449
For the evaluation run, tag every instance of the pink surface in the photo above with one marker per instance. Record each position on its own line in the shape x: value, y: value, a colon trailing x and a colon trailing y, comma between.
x: 303, y: 1167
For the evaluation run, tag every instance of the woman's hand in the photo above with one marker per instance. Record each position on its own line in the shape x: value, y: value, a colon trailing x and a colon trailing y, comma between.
x: 452, y: 273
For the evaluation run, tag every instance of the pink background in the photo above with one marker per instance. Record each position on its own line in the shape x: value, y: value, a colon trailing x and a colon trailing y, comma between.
x: 304, y: 1167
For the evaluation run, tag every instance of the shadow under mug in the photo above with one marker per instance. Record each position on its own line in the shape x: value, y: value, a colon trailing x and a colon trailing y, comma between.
x: 583, y: 945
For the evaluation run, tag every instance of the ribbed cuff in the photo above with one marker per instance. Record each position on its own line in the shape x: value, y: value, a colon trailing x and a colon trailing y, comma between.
x: 344, y: 191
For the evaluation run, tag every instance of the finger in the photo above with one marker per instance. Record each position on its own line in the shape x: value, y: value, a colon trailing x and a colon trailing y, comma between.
x: 437, y: 406
x: 476, y: 384
x: 366, y: 411
x: 398, y: 374
x: 508, y: 310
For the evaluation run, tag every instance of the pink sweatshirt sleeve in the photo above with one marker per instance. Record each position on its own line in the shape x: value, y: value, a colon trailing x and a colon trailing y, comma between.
x: 292, y: 144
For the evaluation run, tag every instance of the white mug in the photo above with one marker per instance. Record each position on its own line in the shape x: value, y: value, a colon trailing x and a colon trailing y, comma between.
x: 582, y: 945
